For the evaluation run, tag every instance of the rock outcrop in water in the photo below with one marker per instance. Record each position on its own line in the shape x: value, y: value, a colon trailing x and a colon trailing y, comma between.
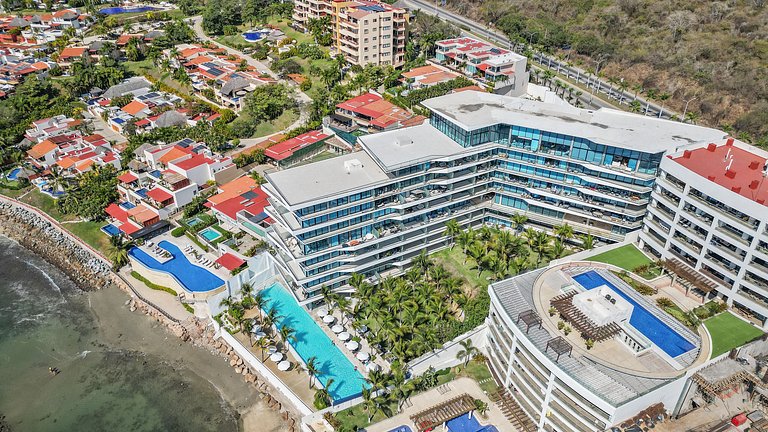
x: 89, y: 271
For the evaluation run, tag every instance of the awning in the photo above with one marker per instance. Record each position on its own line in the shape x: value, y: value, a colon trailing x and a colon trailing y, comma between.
x: 230, y: 261
x: 127, y: 177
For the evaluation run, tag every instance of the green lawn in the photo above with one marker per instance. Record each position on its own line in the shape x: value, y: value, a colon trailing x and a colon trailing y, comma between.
x: 319, y: 157
x: 46, y: 204
x: 729, y: 331
x: 627, y: 257
x: 454, y: 261
x: 91, y: 233
x: 283, y: 24
x: 268, y: 128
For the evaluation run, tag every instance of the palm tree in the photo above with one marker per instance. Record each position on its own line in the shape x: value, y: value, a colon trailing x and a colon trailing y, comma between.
x: 259, y: 302
x: 563, y: 232
x: 518, y: 220
x: 287, y: 333
x: 587, y: 241
x: 118, y: 252
x: 356, y: 280
x: 558, y: 248
x: 369, y: 404
x: 328, y: 296
x: 378, y: 380
x: 263, y: 343
x: 322, y: 393
x: 226, y: 302
x: 663, y: 97
x: 464, y: 239
x: 692, y: 116
x: 467, y: 351
x: 312, y: 370
x: 246, y: 289
x: 452, y: 229
x: 270, y: 319
x: 345, y: 306
x: 422, y: 261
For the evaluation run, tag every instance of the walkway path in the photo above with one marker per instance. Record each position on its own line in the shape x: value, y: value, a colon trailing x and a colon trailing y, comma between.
x: 301, y: 97
x: 163, y: 300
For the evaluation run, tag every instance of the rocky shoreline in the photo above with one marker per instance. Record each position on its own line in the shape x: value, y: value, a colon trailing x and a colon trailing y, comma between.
x: 33, y: 231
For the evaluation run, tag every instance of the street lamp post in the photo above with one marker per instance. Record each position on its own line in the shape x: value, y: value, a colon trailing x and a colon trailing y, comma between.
x: 685, y: 110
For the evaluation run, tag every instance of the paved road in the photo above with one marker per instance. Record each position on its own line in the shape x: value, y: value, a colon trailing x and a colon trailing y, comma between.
x: 592, y: 84
x: 301, y: 97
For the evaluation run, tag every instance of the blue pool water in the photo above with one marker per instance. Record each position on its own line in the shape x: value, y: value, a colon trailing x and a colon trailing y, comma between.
x: 466, y: 424
x: 14, y: 174
x: 404, y: 428
x: 127, y: 206
x: 645, y: 322
x: 210, y: 234
x: 190, y: 276
x: 194, y: 221
x: 111, y: 230
x: 252, y: 36
x: 311, y: 341
x: 119, y: 10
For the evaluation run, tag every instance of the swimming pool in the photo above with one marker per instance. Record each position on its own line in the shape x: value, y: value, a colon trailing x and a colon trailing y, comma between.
x: 111, y: 230
x: 14, y: 174
x: 311, y: 341
x: 193, y: 278
x: 210, y: 234
x: 120, y: 10
x: 645, y: 322
x: 252, y: 36
x: 466, y: 424
x: 194, y: 221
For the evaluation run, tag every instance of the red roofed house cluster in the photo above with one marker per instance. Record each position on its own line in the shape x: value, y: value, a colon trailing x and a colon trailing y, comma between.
x: 502, y: 69
x: 227, y: 75
x: 241, y: 203
x: 373, y: 113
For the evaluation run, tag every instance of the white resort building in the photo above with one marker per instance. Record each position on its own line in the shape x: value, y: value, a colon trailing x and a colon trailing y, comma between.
x: 481, y: 159
x: 707, y: 219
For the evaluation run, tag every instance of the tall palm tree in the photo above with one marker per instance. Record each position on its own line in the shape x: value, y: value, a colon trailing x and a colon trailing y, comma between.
x: 246, y: 289
x: 312, y: 369
x: 328, y: 296
x: 464, y: 239
x: 345, y: 307
x: 259, y: 302
x: 355, y: 280
x: 422, y: 261
x: 118, y: 252
x: 467, y: 351
x: 452, y: 229
x: 378, y: 380
x: 323, y: 394
x: 270, y: 319
x: 558, y: 248
x: 563, y: 232
x: 518, y: 221
x: 287, y: 334
x: 369, y: 404
x: 263, y: 343
x: 587, y: 241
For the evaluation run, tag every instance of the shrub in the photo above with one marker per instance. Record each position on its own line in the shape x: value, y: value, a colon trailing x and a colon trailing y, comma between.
x: 589, y: 343
x: 178, y: 231
x: 560, y: 325
x: 552, y: 311
x: 664, y: 303
x: 152, y: 285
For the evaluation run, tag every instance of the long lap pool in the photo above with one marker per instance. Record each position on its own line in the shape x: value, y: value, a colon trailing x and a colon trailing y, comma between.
x: 311, y: 341
x: 644, y: 321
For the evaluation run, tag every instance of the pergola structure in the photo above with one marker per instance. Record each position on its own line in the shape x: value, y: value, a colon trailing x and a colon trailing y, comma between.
x: 695, y: 278
x: 441, y: 413
x: 560, y: 346
x: 530, y: 318
x: 588, y: 329
x: 715, y: 388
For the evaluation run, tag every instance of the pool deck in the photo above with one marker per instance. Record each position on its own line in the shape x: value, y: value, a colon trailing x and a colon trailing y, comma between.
x: 364, y: 346
x: 182, y: 243
x: 162, y: 299
x: 433, y: 397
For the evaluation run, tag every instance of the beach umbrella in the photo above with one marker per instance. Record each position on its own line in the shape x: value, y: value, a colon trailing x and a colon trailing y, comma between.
x: 276, y: 356
x: 363, y: 356
x: 344, y: 336
x: 260, y: 334
x: 328, y: 319
x: 272, y: 349
x: 322, y: 312
x: 363, y: 329
x: 372, y: 367
x: 337, y: 329
x: 352, y: 345
x: 284, y: 365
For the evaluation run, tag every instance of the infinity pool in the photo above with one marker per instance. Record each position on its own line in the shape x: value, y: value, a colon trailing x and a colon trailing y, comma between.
x: 645, y: 322
x: 312, y: 341
x: 193, y: 278
x: 120, y: 10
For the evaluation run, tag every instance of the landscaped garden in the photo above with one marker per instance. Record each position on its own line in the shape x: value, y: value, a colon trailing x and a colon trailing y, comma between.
x: 728, y: 331
x: 629, y: 258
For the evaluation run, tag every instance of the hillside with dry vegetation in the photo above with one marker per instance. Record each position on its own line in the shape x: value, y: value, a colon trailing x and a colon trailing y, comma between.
x: 713, y: 51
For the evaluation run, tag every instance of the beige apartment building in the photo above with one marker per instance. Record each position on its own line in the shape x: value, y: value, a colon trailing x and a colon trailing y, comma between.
x: 363, y: 31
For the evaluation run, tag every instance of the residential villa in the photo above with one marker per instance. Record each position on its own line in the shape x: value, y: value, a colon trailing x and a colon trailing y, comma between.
x: 239, y: 206
x: 370, y: 113
x: 499, y: 68
x: 427, y: 76
x: 366, y: 32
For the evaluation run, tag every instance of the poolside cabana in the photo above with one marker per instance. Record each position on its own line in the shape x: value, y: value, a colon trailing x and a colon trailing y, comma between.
x: 588, y: 329
x: 441, y: 413
x: 690, y: 275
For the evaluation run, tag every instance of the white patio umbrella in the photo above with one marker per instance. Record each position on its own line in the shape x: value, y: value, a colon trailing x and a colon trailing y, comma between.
x: 322, y: 312
x: 344, y: 336
x: 363, y: 356
x: 337, y: 329
x: 328, y: 319
x: 352, y: 345
x: 363, y: 329
x: 276, y: 356
x: 284, y: 365
x: 260, y: 334
x: 272, y: 349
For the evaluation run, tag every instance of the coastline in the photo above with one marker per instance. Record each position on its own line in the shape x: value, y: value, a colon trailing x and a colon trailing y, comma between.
x: 89, y: 270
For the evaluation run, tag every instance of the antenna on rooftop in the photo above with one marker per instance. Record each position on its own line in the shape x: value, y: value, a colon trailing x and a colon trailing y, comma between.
x: 728, y: 155
x: 729, y: 164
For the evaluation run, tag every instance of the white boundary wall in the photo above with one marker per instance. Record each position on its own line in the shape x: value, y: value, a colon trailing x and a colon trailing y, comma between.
x: 446, y: 356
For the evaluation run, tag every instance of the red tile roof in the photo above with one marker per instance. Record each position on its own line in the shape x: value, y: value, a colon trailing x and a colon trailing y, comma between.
x: 230, y: 261
x: 193, y: 162
x: 72, y: 52
x: 286, y: 148
x: 159, y: 195
x: 127, y: 177
x: 134, y: 107
x: 734, y: 168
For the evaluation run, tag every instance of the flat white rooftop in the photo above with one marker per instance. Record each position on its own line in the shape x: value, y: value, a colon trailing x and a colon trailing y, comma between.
x: 474, y: 110
x: 326, y: 178
x: 408, y: 146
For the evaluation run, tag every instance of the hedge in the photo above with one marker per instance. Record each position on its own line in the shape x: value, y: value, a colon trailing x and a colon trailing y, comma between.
x: 178, y: 231
x: 152, y: 285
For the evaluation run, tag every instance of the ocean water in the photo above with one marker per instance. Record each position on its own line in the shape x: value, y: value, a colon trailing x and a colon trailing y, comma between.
x: 120, y: 371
